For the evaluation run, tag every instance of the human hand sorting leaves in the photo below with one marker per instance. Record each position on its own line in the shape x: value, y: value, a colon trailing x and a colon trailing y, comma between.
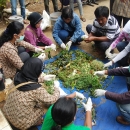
x: 89, y: 39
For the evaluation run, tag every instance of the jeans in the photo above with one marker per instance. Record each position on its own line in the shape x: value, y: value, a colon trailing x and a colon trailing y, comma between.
x: 55, y: 5
x: 24, y: 56
x: 103, y: 45
x: 79, y: 6
x: 63, y: 34
x: 125, y: 111
x: 14, y: 6
x: 121, y: 45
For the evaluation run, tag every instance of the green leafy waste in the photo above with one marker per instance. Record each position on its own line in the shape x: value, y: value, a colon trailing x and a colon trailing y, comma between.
x: 76, y: 70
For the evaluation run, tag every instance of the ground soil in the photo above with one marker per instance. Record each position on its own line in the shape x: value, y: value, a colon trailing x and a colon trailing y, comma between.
x: 88, y: 14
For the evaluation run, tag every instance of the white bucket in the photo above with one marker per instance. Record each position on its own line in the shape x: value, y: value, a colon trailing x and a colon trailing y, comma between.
x: 18, y: 18
x: 54, y: 17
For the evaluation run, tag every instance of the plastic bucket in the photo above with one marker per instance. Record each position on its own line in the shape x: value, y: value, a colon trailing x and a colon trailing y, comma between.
x: 54, y: 16
x: 18, y: 18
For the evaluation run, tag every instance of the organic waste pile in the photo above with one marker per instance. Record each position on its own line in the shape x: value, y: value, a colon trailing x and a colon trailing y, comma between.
x: 76, y: 70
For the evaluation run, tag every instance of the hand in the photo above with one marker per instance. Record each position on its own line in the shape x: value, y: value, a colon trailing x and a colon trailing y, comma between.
x: 38, y: 50
x: 49, y: 77
x: 107, y: 52
x: 79, y: 95
x: 112, y: 56
x: 63, y: 46
x: 52, y: 46
x: 42, y: 56
x: 56, y: 84
x: 68, y: 45
x: 99, y: 73
x: 99, y: 92
x: 84, y: 37
x: 88, y: 105
x: 108, y: 64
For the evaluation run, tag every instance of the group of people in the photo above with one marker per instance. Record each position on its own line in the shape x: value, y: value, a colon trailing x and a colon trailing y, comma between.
x: 29, y: 100
x: 46, y: 5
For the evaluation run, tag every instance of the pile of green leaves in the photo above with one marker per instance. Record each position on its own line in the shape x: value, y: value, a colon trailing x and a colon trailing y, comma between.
x: 76, y: 70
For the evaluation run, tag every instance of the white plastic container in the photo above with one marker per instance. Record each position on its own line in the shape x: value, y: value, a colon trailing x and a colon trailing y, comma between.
x: 54, y: 16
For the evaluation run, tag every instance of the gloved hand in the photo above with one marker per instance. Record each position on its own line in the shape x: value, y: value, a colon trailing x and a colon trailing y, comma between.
x: 68, y: 45
x: 49, y: 77
x: 107, y: 52
x: 38, y: 50
x: 63, y: 46
x: 42, y: 56
x: 88, y: 105
x: 52, y: 46
x: 99, y: 92
x: 79, y: 95
x: 108, y: 64
x: 99, y: 73
x: 56, y: 84
x: 84, y: 37
x: 112, y: 56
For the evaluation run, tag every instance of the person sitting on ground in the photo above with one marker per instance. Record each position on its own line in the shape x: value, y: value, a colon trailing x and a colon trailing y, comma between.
x: 12, y: 49
x: 67, y: 29
x: 123, y: 99
x: 71, y: 2
x: 25, y: 106
x: 34, y: 34
x: 123, y: 54
x: 105, y: 28
x: 61, y: 115
x: 120, y: 44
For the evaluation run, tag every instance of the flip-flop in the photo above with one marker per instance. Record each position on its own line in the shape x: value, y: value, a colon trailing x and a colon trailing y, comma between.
x: 83, y: 19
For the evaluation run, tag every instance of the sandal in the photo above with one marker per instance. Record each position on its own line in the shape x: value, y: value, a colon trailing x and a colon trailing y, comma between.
x: 121, y: 120
x: 83, y: 19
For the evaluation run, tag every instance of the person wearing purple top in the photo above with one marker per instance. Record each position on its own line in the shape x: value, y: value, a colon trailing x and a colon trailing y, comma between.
x: 34, y: 34
x: 122, y: 99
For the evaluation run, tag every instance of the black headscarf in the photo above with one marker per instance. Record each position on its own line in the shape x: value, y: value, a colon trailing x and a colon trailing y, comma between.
x: 30, y: 71
x: 34, y: 18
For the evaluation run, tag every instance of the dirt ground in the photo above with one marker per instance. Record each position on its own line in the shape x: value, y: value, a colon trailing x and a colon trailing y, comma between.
x: 88, y: 14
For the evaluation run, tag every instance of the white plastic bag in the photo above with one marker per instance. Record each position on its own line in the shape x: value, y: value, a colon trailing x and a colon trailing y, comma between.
x: 46, y: 21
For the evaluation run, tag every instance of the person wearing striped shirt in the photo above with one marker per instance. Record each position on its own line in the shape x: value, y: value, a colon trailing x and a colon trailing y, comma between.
x: 105, y: 28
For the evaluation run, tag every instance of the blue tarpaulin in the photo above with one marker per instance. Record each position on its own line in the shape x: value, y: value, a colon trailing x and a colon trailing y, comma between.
x: 106, y: 110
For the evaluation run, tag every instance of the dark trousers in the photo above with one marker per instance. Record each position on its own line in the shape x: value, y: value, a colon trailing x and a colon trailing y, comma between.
x: 103, y: 45
x: 55, y: 5
x: 23, y: 54
x: 120, y: 19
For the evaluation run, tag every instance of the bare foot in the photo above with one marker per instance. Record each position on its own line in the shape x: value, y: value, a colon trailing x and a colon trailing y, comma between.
x: 25, y: 21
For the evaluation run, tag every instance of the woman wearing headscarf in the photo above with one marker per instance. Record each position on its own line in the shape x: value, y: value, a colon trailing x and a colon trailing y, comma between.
x: 25, y: 105
x: 34, y: 34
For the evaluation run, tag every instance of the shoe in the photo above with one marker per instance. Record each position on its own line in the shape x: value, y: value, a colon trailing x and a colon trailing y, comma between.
x: 121, y: 120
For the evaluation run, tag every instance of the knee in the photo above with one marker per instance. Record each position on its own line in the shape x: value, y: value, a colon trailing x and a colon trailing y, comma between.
x: 21, y: 49
x: 24, y: 56
x: 63, y: 34
x: 88, y: 28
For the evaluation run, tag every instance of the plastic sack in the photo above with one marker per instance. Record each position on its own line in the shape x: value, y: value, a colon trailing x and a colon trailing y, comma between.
x: 46, y: 21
